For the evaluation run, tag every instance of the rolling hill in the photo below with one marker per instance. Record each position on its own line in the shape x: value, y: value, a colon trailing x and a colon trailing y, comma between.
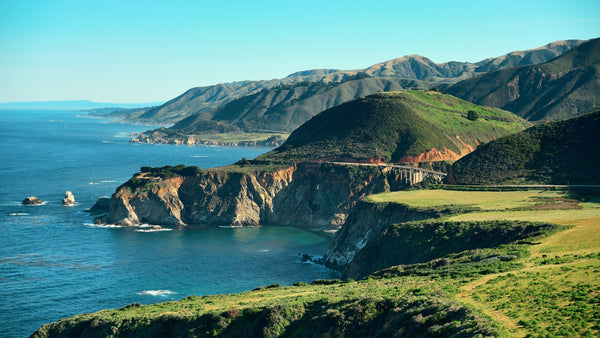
x: 561, y: 152
x: 407, y: 127
x: 564, y: 87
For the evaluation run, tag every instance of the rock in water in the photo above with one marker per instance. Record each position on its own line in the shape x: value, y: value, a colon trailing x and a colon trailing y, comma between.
x: 101, y: 206
x: 69, y: 199
x: 32, y: 200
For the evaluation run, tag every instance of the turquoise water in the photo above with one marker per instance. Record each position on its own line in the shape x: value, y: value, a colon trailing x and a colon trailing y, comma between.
x: 54, y: 263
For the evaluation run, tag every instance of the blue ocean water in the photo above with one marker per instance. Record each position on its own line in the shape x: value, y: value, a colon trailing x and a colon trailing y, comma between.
x: 54, y: 263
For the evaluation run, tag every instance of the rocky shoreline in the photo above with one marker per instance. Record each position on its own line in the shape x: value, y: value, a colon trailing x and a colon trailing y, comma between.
x: 307, y: 195
x: 161, y: 137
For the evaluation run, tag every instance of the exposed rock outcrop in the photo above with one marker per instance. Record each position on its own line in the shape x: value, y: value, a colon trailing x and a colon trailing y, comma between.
x: 160, y: 137
x: 69, y: 199
x: 305, y: 195
x: 101, y: 206
x: 364, y: 223
x: 32, y: 200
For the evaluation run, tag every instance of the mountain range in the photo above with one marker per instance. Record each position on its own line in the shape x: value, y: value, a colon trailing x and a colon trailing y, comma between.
x: 415, y: 67
x: 564, y: 87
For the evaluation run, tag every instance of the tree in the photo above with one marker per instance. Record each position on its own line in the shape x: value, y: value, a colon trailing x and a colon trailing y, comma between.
x: 472, y: 115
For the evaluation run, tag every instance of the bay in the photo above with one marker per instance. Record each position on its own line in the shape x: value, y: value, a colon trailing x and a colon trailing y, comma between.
x: 54, y: 263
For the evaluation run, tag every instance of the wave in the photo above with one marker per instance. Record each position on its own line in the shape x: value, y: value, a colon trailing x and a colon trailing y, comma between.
x: 153, y: 230
x: 110, y: 226
x: 101, y: 182
x: 156, y: 292
x: 19, y: 214
x: 198, y: 156
x: 35, y: 205
x: 107, y: 141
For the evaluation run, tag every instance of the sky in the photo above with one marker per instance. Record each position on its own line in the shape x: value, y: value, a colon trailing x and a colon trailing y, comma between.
x: 150, y: 51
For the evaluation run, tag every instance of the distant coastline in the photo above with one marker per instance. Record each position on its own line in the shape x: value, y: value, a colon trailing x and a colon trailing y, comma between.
x: 71, y: 105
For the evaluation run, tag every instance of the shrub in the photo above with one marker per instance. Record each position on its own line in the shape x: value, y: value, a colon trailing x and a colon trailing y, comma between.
x: 472, y: 115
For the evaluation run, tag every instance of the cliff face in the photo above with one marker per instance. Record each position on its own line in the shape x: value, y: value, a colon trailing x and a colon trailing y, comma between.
x: 365, y: 222
x: 305, y: 195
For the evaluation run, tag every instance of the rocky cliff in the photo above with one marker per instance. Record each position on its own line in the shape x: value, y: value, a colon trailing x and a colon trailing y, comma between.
x: 365, y: 222
x: 306, y: 194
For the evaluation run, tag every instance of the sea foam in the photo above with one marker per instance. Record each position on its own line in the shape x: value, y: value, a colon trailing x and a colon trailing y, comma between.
x: 156, y: 292
x: 153, y: 230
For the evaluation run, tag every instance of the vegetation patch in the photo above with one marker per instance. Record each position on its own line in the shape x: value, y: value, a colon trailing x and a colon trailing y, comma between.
x: 555, y: 301
x: 390, y: 126
x: 384, y: 306
x: 560, y: 152
x: 448, y: 249
x: 481, y: 200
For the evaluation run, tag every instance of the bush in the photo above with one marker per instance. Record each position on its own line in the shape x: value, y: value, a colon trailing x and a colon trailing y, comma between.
x: 472, y: 115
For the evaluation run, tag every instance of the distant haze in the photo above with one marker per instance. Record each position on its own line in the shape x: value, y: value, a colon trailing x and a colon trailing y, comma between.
x: 72, y: 105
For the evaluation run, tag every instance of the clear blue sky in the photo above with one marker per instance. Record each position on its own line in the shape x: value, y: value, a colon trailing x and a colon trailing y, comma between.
x: 145, y: 51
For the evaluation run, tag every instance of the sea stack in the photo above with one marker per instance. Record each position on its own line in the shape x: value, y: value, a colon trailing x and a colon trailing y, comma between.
x: 69, y: 199
x: 32, y: 200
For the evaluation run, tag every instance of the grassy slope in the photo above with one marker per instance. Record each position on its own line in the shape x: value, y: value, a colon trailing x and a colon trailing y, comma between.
x: 556, y: 291
x: 562, y: 152
x: 394, y: 125
x: 551, y: 288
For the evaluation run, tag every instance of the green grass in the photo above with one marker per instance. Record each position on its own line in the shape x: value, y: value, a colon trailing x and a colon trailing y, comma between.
x: 554, y: 288
x: 237, y: 137
x: 561, y: 300
x: 483, y: 200
x: 411, y: 305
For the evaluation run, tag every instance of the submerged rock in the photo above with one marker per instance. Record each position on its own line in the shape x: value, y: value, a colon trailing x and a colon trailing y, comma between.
x: 32, y: 200
x: 69, y: 199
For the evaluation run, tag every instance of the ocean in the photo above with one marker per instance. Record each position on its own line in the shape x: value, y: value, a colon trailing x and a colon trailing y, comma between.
x: 54, y: 263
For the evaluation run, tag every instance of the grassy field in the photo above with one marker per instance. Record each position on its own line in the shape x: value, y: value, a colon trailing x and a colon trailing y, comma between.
x: 235, y: 137
x: 484, y: 200
x: 557, y: 292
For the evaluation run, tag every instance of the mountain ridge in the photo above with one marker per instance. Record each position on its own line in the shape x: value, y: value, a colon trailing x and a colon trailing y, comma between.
x: 564, y: 87
x: 414, y: 67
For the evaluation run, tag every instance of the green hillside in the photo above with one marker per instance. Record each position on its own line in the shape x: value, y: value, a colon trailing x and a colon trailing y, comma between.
x: 562, y: 152
x: 564, y: 87
x: 407, y: 126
